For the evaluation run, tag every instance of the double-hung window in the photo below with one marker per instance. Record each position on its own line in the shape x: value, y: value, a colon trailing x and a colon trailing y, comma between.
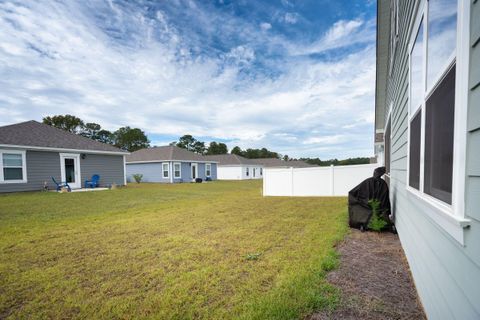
x: 177, y: 170
x: 13, y: 166
x: 208, y: 170
x: 247, y: 172
x: 432, y: 100
x: 165, y: 170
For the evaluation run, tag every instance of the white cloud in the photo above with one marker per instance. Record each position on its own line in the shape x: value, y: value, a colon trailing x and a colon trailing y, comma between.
x: 343, y: 33
x: 56, y: 60
x: 242, y: 54
x: 265, y: 26
x: 291, y: 17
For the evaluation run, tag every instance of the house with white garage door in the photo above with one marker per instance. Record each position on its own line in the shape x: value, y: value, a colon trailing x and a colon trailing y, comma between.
x: 170, y: 164
x: 235, y: 167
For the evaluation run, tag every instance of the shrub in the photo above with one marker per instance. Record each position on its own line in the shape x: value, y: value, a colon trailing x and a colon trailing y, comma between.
x: 137, y: 177
x: 376, y: 223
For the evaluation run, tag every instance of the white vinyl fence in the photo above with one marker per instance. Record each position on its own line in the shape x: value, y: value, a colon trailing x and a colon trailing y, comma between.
x: 316, y: 181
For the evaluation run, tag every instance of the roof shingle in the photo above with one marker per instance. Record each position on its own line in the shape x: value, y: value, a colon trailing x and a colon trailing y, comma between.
x: 231, y: 159
x: 36, y: 134
x: 274, y: 162
x: 166, y: 153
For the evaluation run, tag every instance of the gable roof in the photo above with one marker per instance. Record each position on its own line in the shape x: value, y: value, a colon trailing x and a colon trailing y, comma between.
x: 165, y: 153
x: 231, y: 160
x: 42, y: 136
x: 274, y: 162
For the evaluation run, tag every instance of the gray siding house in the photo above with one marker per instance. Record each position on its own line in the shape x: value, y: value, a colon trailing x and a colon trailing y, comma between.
x: 169, y: 164
x: 427, y: 129
x: 31, y: 153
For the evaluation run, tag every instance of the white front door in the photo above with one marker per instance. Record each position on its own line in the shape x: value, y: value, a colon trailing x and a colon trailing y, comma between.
x: 194, y: 171
x: 70, y: 169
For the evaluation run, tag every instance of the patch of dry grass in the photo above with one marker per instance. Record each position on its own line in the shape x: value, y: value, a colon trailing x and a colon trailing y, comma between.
x: 167, y: 251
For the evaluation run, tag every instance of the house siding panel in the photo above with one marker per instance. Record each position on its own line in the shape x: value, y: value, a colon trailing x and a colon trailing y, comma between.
x: 152, y: 172
x: 447, y: 274
x: 108, y: 167
x: 41, y: 167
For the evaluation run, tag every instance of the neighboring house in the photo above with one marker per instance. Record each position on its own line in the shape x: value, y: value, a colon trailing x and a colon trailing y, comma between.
x: 428, y: 111
x: 235, y: 167
x: 170, y: 164
x: 31, y: 153
x: 278, y: 163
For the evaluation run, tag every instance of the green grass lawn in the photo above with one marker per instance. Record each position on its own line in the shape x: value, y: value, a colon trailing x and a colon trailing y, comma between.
x: 186, y: 251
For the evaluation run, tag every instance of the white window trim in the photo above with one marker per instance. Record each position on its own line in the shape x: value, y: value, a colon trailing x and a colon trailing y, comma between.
x: 24, y: 166
x: 180, y: 170
x: 208, y: 165
x: 450, y: 218
x: 167, y: 171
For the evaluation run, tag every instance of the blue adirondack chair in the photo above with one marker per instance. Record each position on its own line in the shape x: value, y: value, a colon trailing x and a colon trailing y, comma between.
x: 61, y: 185
x: 92, y: 183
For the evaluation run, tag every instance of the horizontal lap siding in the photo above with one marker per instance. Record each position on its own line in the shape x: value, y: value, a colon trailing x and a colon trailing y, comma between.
x: 446, y: 274
x: 109, y: 167
x: 41, y: 167
x: 152, y: 172
x: 472, y: 192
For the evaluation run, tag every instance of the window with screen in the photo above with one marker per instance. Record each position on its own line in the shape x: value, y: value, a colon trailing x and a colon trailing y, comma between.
x: 177, y: 173
x: 208, y: 170
x: 432, y: 100
x: 439, y: 115
x: 415, y: 145
x: 165, y: 170
x: 12, y: 166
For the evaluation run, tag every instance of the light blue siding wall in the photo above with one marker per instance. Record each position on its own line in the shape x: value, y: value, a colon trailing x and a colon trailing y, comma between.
x: 186, y: 172
x: 152, y: 172
x: 447, y: 274
x: 214, y: 171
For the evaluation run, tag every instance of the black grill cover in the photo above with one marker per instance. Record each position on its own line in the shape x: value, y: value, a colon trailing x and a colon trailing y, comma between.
x: 359, y: 210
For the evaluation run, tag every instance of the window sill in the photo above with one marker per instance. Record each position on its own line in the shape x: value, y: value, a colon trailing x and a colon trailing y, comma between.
x: 443, y: 215
x: 13, y: 181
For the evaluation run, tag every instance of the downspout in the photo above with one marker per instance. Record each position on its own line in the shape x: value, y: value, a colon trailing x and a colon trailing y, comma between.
x: 124, y: 171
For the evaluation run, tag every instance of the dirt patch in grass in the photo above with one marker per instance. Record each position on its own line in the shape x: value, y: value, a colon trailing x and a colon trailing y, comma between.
x: 374, y: 279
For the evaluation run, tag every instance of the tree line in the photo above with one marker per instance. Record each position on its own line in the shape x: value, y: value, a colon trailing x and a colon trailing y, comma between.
x: 336, y: 162
x: 133, y: 139
x: 126, y: 138
x: 214, y: 148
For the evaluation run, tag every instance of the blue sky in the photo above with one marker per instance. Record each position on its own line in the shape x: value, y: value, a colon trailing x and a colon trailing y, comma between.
x: 297, y: 77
